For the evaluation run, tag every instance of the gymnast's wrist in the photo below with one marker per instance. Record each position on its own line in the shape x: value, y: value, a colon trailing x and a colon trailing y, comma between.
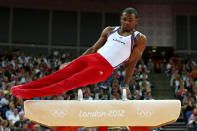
x: 124, y: 84
x: 64, y: 65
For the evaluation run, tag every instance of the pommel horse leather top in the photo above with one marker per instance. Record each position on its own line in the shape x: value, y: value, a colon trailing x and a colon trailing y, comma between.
x: 93, y: 113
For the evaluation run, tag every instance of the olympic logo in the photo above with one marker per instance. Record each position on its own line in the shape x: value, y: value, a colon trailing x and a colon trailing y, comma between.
x: 58, y: 113
x: 144, y: 113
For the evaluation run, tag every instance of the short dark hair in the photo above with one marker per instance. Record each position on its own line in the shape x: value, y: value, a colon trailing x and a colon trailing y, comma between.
x: 131, y: 11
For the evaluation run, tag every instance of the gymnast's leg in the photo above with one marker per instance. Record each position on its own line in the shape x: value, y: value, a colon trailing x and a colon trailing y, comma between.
x: 69, y: 70
x: 96, y: 70
x: 87, y: 76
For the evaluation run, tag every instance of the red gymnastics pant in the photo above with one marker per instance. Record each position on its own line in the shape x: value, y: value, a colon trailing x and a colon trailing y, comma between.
x: 84, y: 70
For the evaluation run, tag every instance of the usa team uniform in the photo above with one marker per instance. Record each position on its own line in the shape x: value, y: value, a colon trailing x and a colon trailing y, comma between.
x: 84, y: 70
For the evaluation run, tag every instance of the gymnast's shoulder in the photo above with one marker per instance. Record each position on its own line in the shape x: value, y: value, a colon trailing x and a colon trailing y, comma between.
x: 108, y: 29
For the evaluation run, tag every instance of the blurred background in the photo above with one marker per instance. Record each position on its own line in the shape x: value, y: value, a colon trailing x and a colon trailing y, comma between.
x: 36, y: 36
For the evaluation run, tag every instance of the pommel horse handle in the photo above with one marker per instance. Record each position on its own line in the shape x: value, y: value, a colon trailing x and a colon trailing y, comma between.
x: 80, y: 95
x: 124, y: 94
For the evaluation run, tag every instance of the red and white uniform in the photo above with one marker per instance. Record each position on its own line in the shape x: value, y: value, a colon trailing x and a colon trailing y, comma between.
x: 84, y: 70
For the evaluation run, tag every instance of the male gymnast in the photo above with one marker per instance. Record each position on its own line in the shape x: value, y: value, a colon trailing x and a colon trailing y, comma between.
x: 115, y: 46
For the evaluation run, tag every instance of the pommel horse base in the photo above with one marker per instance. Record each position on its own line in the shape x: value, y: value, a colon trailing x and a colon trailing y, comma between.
x: 141, y: 114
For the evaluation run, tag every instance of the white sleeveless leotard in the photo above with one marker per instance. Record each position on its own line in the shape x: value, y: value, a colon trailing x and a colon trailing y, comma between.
x: 117, y: 48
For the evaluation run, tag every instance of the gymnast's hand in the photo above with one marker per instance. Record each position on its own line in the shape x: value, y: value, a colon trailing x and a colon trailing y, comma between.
x: 64, y: 65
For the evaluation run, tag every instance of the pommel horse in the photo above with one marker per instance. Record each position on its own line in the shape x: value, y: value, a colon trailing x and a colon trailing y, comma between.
x: 136, y: 115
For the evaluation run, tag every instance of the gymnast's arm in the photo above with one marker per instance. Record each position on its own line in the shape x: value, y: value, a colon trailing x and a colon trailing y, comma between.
x: 136, y: 54
x: 101, y: 41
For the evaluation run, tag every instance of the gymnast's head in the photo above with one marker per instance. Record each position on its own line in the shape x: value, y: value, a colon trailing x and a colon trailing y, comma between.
x: 128, y: 19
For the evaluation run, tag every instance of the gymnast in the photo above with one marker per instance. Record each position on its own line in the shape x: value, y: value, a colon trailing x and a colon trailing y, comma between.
x: 116, y: 45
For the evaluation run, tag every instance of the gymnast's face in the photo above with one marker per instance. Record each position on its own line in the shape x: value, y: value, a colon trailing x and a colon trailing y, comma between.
x: 128, y: 21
